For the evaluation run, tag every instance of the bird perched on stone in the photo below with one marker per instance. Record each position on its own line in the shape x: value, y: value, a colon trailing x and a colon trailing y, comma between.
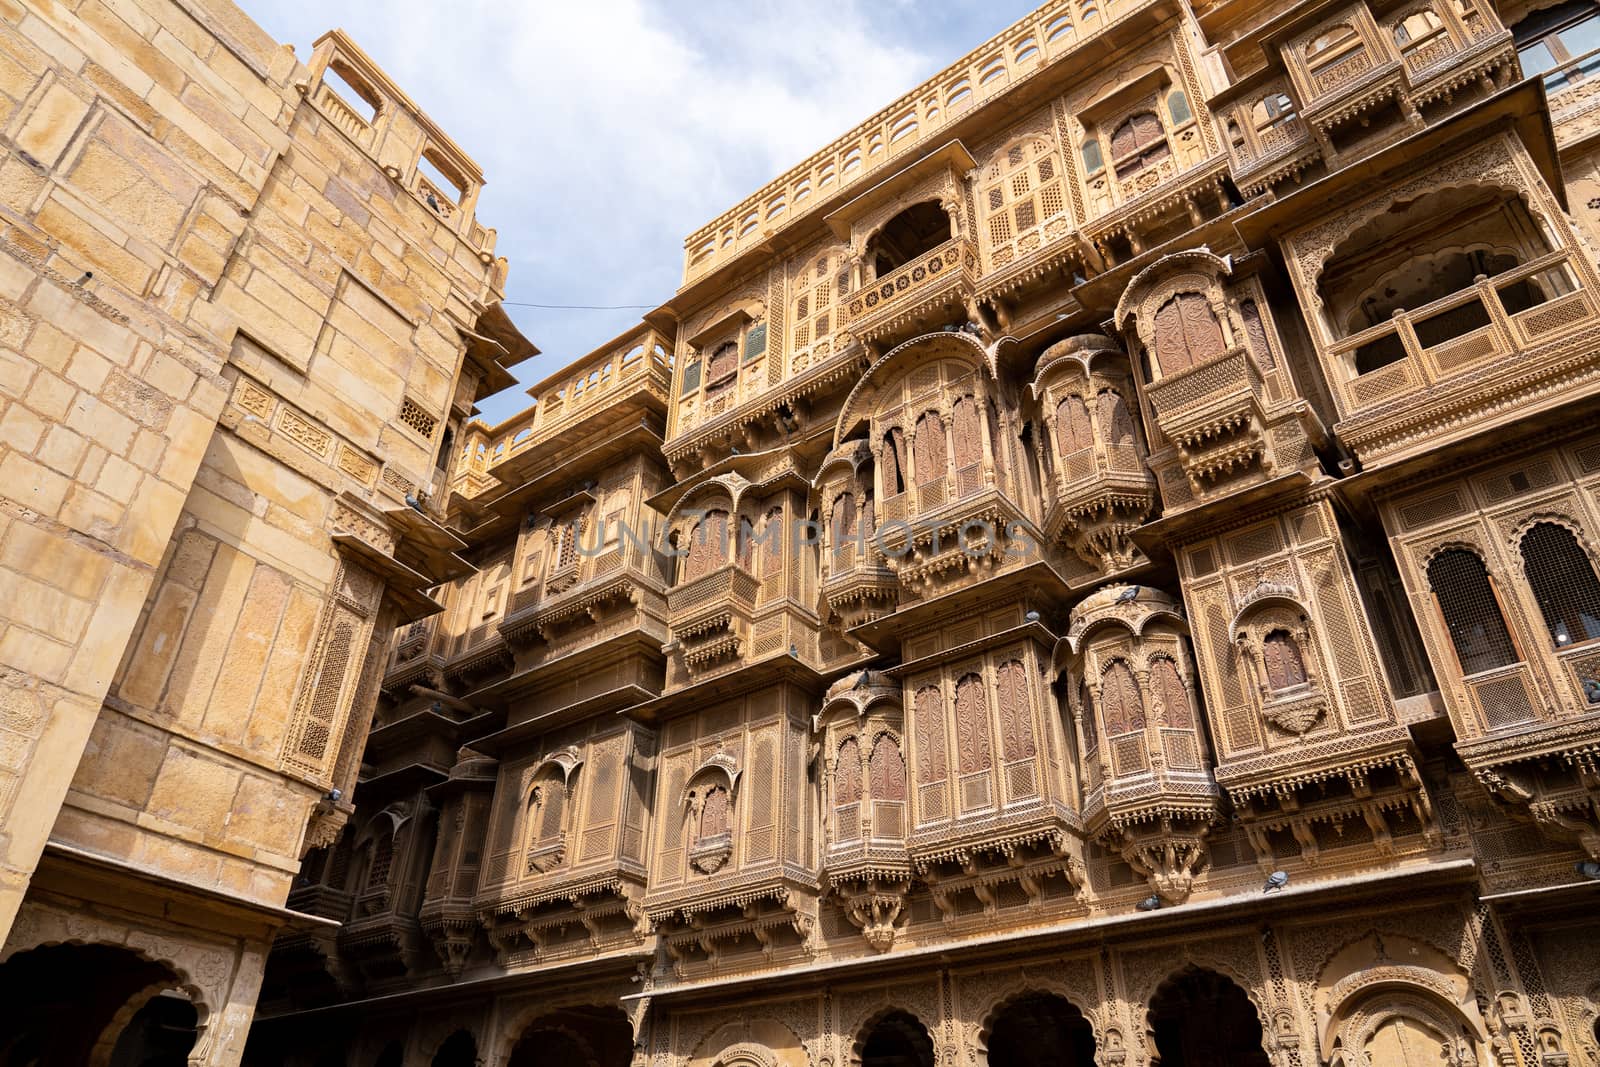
x: 432, y: 202
x: 1032, y: 616
x: 1276, y: 881
x: 1127, y: 594
x: 1149, y: 903
x: 1589, y: 869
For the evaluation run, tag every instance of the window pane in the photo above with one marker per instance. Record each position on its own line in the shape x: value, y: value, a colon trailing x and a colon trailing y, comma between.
x: 1091, y: 156
x: 1536, y: 58
x: 1582, y: 38
x: 1178, y: 107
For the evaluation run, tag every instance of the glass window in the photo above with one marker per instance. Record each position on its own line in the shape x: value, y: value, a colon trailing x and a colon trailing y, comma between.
x: 1092, y: 163
x: 1178, y: 107
x: 1557, y: 40
x: 1536, y: 58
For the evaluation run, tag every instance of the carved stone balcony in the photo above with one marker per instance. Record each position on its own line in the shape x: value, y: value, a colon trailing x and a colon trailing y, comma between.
x: 1213, y: 413
x: 710, y: 616
x: 1516, y: 358
x: 858, y: 584
x: 414, y: 657
x: 1265, y: 146
x: 1102, y: 493
x: 926, y: 291
x: 1549, y: 772
x: 321, y: 900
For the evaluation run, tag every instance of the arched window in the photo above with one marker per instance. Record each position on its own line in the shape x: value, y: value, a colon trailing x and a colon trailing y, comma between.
x: 547, y: 805
x: 1115, y: 422
x: 845, y: 525
x: 724, y: 361
x: 1072, y: 425
x: 1119, y: 696
x: 888, y: 768
x: 972, y: 725
x: 847, y: 774
x: 1176, y: 714
x: 931, y: 454
x: 379, y: 869
x: 1091, y: 731
x: 1471, y: 611
x: 1563, y: 582
x: 772, y: 542
x: 1016, y: 711
x: 967, y: 430
x: 708, y: 545
x: 1334, y: 40
x: 931, y: 758
x: 1280, y: 656
x: 996, y: 452
x: 713, y: 814
x: 894, y: 461
x: 1138, y: 143
x: 1256, y: 331
x: 1186, y: 333
x: 1417, y: 26
x: 847, y: 790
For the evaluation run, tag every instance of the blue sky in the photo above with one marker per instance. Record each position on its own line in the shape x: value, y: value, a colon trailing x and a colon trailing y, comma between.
x: 608, y: 129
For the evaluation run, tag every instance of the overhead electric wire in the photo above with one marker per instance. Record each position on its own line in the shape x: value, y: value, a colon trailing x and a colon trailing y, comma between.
x: 580, y: 307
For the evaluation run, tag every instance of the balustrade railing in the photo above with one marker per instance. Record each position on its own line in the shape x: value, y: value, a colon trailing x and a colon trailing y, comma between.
x: 955, y: 260
x: 729, y: 585
x: 1056, y: 29
x: 641, y: 361
x: 1520, y: 307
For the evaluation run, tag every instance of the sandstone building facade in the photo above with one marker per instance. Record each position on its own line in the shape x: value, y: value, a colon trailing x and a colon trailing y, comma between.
x: 1096, y: 565
x: 1119, y: 586
x: 244, y: 303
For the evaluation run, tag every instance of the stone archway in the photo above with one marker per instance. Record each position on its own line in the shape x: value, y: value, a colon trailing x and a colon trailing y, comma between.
x: 1039, y: 1030
x: 66, y: 1005
x: 894, y: 1039
x: 574, y: 1037
x: 1199, y: 1018
x: 460, y: 1049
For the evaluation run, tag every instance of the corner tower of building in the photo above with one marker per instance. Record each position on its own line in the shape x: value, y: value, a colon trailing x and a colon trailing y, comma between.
x: 247, y: 302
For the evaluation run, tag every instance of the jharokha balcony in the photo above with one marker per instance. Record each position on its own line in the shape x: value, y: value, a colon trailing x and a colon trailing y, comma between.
x: 1523, y: 333
x: 926, y: 291
x: 710, y: 615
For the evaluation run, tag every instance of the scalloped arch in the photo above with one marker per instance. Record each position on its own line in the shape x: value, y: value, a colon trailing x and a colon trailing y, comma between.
x: 888, y: 368
x: 1024, y: 986
x: 1147, y: 280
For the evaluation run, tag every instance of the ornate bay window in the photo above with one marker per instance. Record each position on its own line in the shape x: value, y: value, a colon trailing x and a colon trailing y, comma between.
x: 864, y: 770
x: 1138, y: 137
x: 1417, y: 296
x: 1022, y: 200
x: 727, y: 347
x: 1500, y: 563
x: 1098, y: 488
x: 1150, y: 795
x: 1221, y: 406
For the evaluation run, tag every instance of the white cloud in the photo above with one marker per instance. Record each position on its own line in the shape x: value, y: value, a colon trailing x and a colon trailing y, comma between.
x: 608, y: 129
